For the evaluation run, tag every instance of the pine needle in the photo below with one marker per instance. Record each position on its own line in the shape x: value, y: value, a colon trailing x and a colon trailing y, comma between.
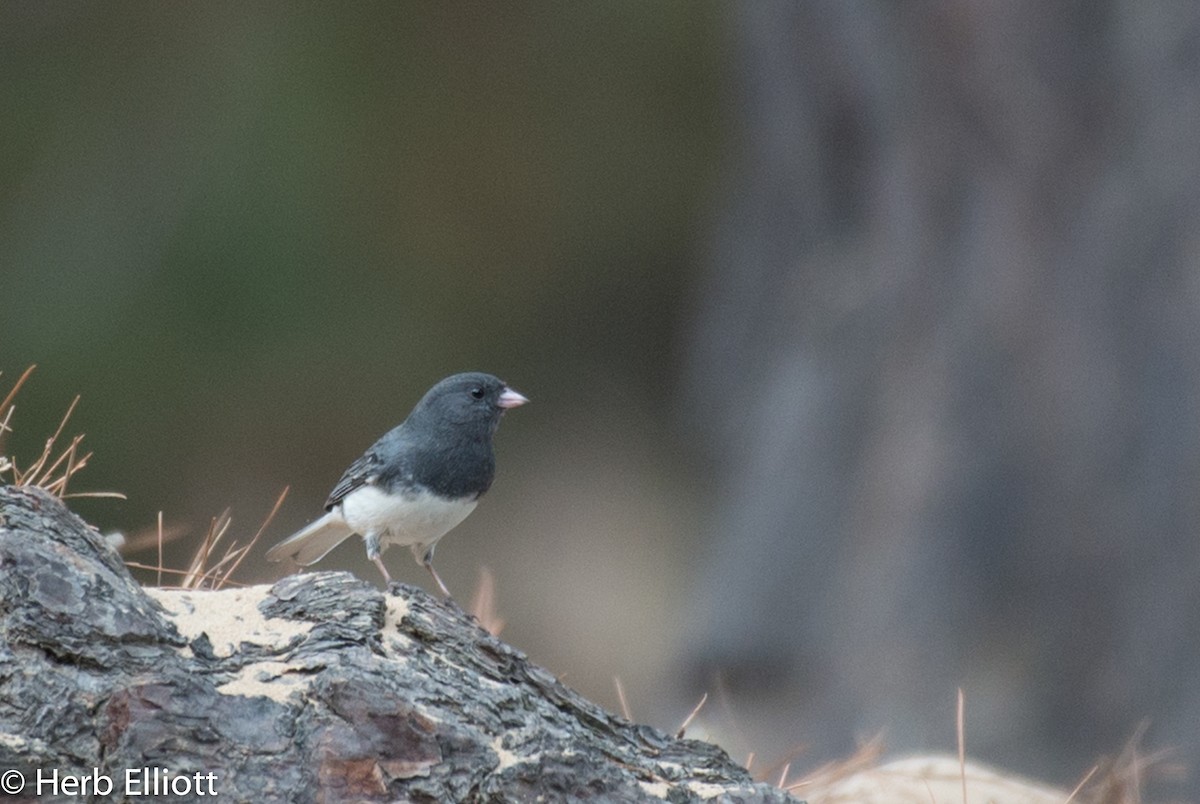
x: 53, y: 469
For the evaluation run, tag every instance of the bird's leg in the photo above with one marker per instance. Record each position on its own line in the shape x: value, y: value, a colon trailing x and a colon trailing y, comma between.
x: 375, y: 554
x: 427, y: 563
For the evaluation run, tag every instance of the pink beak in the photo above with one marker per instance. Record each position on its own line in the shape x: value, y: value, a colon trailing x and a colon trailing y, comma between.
x: 510, y: 399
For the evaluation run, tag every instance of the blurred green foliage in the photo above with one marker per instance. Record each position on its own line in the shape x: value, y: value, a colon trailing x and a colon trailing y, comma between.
x: 250, y: 235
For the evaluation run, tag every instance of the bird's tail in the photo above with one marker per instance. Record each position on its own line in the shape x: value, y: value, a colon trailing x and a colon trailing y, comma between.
x: 310, y: 544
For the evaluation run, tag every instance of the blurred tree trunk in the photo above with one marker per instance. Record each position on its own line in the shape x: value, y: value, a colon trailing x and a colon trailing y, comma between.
x: 953, y: 307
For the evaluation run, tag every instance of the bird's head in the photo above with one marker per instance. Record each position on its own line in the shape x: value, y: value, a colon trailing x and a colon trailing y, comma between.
x: 469, y: 397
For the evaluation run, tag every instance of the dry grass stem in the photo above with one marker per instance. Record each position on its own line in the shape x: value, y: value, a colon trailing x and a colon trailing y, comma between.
x: 483, y: 603
x: 199, y: 568
x: 687, y: 721
x: 1119, y: 780
x: 784, y: 766
x: 53, y: 469
x: 961, y: 723
x: 150, y: 538
x: 783, y: 775
x: 867, y: 756
x: 261, y: 530
x: 158, y: 580
x: 5, y: 405
x: 1081, y: 784
x: 732, y: 718
x: 205, y: 571
x: 621, y: 698
x: 168, y: 571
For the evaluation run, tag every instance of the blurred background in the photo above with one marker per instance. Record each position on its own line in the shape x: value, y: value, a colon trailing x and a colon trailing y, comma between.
x: 863, y: 339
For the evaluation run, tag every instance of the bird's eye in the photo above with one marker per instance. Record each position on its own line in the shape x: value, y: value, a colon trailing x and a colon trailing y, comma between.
x: 477, y: 392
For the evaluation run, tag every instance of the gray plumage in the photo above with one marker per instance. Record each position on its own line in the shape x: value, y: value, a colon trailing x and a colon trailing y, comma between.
x: 416, y: 482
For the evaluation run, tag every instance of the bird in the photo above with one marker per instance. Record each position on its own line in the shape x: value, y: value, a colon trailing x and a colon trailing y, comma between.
x: 418, y: 481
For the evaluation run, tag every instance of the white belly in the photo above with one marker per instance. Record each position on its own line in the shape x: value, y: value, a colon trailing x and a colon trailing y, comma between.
x: 405, y: 519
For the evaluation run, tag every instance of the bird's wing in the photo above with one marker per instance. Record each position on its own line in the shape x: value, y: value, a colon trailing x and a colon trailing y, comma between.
x: 362, y: 472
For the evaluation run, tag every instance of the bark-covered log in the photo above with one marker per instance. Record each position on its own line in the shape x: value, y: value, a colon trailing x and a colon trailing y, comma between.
x: 319, y: 688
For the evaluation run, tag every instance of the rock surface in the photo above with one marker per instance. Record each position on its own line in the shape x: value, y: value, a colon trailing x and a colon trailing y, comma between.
x: 317, y: 689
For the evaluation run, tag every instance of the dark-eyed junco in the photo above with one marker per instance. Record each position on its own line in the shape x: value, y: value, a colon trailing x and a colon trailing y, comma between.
x: 418, y: 481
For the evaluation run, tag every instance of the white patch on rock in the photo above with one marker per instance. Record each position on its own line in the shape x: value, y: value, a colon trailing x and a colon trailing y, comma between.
x: 229, y: 617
